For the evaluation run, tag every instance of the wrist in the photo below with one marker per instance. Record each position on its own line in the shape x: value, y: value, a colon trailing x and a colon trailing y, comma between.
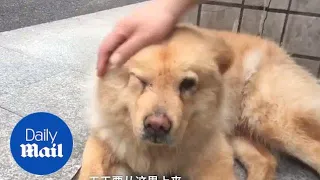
x: 175, y: 8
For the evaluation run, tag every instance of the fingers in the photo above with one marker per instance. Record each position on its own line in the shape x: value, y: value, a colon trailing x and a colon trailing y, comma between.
x: 110, y: 44
x: 128, y: 49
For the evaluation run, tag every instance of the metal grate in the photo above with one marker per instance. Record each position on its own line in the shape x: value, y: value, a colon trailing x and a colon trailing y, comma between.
x: 267, y: 9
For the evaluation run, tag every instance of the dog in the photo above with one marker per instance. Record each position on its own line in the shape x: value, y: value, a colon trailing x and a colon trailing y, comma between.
x: 191, y: 103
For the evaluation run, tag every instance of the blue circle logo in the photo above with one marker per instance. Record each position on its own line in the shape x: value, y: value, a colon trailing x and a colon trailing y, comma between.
x: 41, y: 143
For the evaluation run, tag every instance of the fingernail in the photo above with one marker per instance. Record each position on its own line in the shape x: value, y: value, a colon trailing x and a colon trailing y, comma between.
x: 115, y: 59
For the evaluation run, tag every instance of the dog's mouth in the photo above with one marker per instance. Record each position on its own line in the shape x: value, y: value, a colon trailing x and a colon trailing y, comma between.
x: 157, y: 139
x: 156, y: 128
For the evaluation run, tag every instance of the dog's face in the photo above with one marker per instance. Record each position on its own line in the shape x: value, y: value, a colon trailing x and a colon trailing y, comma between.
x: 173, y: 85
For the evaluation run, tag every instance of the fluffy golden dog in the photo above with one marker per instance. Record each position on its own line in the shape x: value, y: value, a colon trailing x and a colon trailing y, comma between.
x: 188, y: 105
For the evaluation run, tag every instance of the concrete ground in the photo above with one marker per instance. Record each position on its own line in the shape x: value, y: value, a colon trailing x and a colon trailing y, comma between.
x: 45, y: 68
x: 21, y: 13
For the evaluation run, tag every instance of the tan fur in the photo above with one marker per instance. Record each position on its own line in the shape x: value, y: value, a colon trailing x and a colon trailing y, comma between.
x: 259, y: 162
x: 250, y: 96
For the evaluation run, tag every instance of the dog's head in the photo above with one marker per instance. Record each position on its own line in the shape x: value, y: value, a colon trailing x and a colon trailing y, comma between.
x: 168, y: 87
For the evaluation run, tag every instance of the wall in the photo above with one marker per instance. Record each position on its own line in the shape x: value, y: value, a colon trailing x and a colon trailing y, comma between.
x: 295, y: 24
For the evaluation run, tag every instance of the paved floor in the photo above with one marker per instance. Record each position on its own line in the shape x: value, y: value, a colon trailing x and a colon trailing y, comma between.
x: 45, y: 68
x: 21, y: 13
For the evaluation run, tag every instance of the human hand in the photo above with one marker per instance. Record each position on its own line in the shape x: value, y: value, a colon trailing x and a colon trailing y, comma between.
x: 147, y: 25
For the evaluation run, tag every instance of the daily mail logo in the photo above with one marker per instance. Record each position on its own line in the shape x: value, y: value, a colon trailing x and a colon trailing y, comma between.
x: 41, y: 143
x: 32, y: 150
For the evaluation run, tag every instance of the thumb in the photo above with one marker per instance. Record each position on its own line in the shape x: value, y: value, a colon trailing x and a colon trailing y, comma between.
x: 128, y: 49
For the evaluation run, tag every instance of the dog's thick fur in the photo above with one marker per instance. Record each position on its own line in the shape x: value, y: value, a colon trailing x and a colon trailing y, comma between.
x: 249, y: 96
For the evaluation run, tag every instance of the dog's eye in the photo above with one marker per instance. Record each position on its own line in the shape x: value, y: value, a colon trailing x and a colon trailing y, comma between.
x: 143, y: 82
x: 187, y: 84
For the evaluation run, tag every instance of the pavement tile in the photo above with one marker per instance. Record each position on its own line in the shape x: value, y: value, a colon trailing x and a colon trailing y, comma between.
x: 240, y: 171
x: 310, y: 65
x: 303, y: 35
x: 41, y: 61
x: 292, y: 169
x: 272, y: 27
x: 9, y: 169
x: 306, y: 6
x: 62, y: 95
x: 19, y: 13
x: 72, y: 42
x: 283, y: 4
x: 7, y: 120
x: 49, y: 66
x: 219, y: 17
x: 20, y: 70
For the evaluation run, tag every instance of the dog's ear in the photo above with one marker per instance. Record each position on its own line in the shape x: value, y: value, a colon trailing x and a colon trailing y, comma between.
x: 223, y: 54
x: 224, y: 59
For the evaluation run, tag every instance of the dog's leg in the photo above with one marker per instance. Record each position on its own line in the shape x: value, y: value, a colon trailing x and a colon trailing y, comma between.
x: 300, y: 141
x: 217, y: 164
x: 98, y: 161
x: 93, y: 159
x: 259, y: 162
x: 306, y: 145
x: 303, y: 141
x: 284, y: 116
x: 281, y: 106
x: 305, y: 149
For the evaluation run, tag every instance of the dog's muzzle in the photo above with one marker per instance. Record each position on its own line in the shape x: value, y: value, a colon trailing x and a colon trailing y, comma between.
x: 157, y: 128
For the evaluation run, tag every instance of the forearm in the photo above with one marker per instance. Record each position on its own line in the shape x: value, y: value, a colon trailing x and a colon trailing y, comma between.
x: 176, y: 7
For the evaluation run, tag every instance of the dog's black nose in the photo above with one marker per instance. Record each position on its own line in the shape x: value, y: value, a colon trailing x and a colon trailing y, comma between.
x: 157, y: 125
